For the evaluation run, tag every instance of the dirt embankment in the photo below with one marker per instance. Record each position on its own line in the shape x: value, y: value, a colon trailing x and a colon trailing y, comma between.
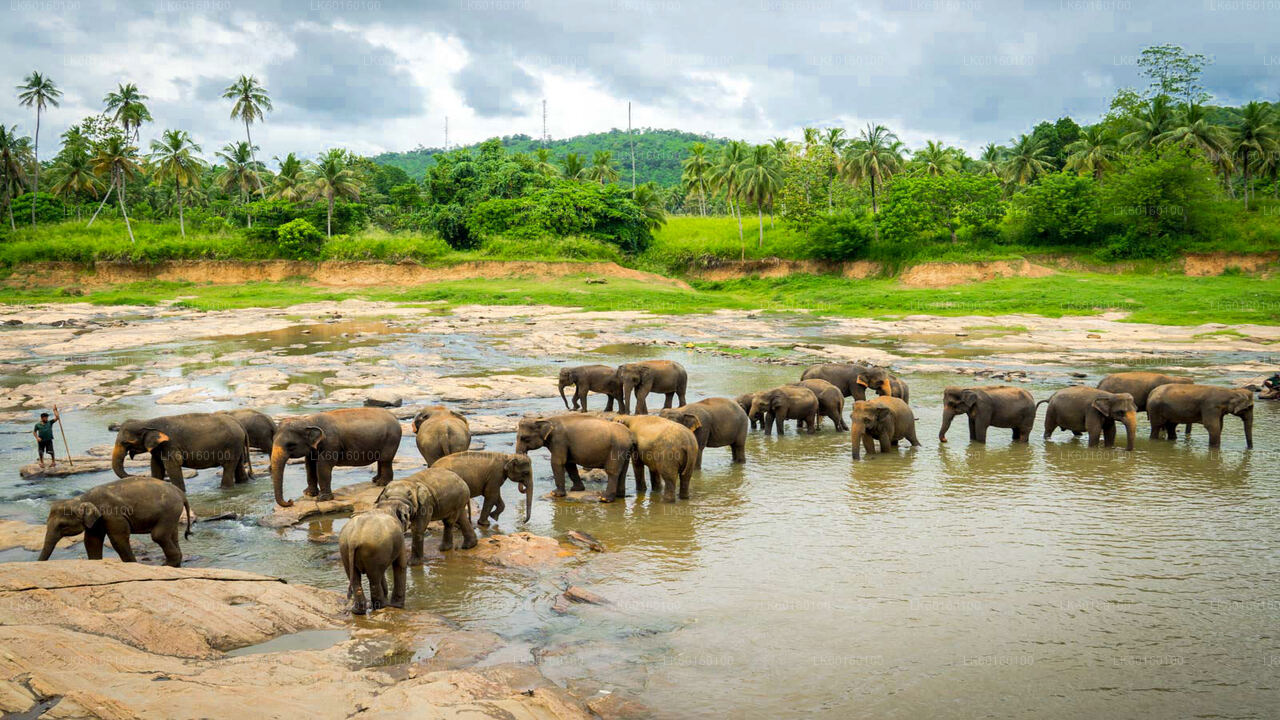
x: 327, y: 273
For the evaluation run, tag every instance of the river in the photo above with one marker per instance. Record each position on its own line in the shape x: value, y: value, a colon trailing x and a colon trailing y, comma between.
x: 956, y: 580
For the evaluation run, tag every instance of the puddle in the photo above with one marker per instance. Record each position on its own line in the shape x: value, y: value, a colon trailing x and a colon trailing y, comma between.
x: 305, y: 640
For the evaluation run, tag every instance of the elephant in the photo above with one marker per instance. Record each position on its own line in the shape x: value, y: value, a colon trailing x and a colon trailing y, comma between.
x: 788, y: 402
x: 574, y: 440
x: 440, y: 432
x: 484, y: 472
x: 132, y: 505
x: 843, y: 375
x: 351, y: 437
x: 369, y: 544
x: 426, y: 496
x: 884, y: 383
x: 1084, y: 409
x: 830, y: 401
x: 721, y: 422
x: 1171, y: 404
x: 193, y: 440
x: 885, y: 418
x: 1139, y: 384
x: 588, y: 379
x: 649, y: 376
x: 668, y: 448
x: 259, y: 427
x: 744, y: 401
x: 989, y: 405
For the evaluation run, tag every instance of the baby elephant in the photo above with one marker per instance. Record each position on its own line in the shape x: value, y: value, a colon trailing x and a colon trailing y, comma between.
x: 668, y: 448
x: 369, y: 544
x: 484, y: 473
x: 1085, y: 409
x: 430, y: 495
x: 440, y: 432
x: 116, y: 510
x: 885, y: 418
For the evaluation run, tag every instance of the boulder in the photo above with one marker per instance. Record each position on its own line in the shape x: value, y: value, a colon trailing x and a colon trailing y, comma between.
x: 28, y: 536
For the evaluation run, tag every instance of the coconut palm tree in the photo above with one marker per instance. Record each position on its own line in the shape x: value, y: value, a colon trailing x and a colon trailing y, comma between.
x: 173, y: 158
x: 13, y: 164
x: 73, y: 175
x: 834, y: 141
x: 727, y: 176
x: 331, y: 179
x: 874, y: 156
x: 39, y: 92
x: 542, y: 163
x: 649, y: 198
x: 289, y: 183
x: 128, y: 108
x: 811, y: 138
x: 251, y: 105
x: 117, y: 160
x: 574, y: 166
x: 696, y: 174
x: 601, y: 169
x: 240, y: 173
x: 761, y: 178
x: 990, y: 159
x: 936, y: 159
x: 1191, y: 129
x: 1094, y: 152
x: 1255, y: 141
x: 1027, y: 160
x: 1154, y: 119
x: 780, y: 145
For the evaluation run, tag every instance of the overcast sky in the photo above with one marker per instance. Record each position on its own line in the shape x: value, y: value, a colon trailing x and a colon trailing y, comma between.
x: 374, y: 75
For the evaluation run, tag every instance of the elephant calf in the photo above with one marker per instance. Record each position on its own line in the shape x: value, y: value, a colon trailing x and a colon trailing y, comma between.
x: 830, y: 401
x: 669, y: 449
x: 720, y: 422
x: 745, y: 401
x: 788, y: 402
x: 1169, y: 405
x: 579, y: 440
x: 651, y: 376
x: 484, y: 472
x: 1085, y: 409
x: 369, y: 544
x: 430, y: 495
x: 116, y: 510
x: 440, y: 432
x: 987, y: 406
x: 588, y: 379
x: 885, y: 418
x: 1139, y: 384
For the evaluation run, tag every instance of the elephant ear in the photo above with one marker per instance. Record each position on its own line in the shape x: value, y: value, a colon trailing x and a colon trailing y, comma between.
x: 314, y: 435
x: 153, y: 438
x: 882, y: 413
x: 1241, y: 401
x: 690, y: 421
x: 403, y: 513
x: 968, y: 399
x: 544, y: 428
x: 1102, y: 405
x: 862, y: 380
x: 89, y: 514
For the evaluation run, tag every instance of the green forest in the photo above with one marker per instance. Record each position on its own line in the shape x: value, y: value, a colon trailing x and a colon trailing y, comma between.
x: 1164, y: 171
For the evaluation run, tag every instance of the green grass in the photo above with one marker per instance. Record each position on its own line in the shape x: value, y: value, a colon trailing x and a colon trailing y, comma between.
x: 685, y: 240
x: 1164, y: 299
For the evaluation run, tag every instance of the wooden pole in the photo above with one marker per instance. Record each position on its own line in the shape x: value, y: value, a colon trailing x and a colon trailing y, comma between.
x: 64, y: 436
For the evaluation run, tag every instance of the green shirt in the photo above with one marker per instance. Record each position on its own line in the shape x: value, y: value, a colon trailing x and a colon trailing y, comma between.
x: 45, y: 429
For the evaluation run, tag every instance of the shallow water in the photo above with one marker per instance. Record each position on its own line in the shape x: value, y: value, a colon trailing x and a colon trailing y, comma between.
x: 1003, y: 580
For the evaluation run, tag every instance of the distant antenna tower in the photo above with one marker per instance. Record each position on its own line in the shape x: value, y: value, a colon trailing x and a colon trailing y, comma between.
x: 545, y: 137
x: 632, y: 138
x: 446, y: 132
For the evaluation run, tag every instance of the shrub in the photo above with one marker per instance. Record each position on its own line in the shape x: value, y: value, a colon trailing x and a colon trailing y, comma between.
x: 1059, y: 209
x: 840, y: 236
x: 48, y: 208
x: 299, y: 240
x: 1159, y: 204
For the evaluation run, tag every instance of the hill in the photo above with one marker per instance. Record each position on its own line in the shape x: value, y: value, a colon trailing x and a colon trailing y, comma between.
x: 658, y: 152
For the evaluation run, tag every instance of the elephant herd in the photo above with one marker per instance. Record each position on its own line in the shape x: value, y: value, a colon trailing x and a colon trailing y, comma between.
x: 669, y: 444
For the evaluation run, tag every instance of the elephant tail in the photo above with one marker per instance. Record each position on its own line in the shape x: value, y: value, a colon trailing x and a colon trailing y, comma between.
x: 248, y: 463
x: 187, y: 506
x: 1042, y: 402
x: 349, y: 568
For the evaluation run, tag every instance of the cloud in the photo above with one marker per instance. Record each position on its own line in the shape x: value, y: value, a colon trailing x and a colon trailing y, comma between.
x: 496, y: 87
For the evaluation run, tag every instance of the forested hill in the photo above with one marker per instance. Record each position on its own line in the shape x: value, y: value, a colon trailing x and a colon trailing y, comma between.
x: 658, y: 152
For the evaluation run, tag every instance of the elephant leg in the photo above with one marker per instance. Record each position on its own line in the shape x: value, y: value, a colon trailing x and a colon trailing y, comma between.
x: 886, y: 441
x: 486, y: 506
x: 1093, y: 424
x: 417, y: 536
x: 973, y: 429
x: 157, y: 467
x: 385, y: 474
x: 616, y: 468
x: 1050, y: 422
x: 229, y: 473
x: 468, y: 533
x: 670, y: 396
x: 242, y: 469
x: 813, y: 422
x: 669, y: 482
x: 359, y: 606
x: 173, y: 468
x: 498, y: 507
x: 580, y: 397
x: 93, y: 544
x: 118, y: 533
x: 684, y: 485
x: 313, y: 482
x: 1171, y: 430
x: 910, y: 435
x: 167, y: 539
x: 446, y: 537
x: 557, y: 472
x: 572, y: 470
x: 378, y: 588
x: 324, y: 478
x: 1187, y: 430
x: 1109, y: 433
x: 1213, y: 426
x: 980, y: 431
x: 399, y: 576
x: 637, y: 469
x: 608, y: 406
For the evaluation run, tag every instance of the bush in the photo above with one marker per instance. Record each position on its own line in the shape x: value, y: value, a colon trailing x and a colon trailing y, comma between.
x: 1059, y: 209
x: 380, y: 245
x: 1161, y: 203
x: 49, y: 209
x: 840, y: 236
x: 299, y: 240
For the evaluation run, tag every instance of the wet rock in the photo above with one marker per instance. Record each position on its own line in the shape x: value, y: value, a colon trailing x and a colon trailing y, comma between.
x: 383, y: 400
x: 81, y: 464
x: 585, y: 540
x: 346, y: 500
x: 576, y: 594
x: 28, y: 536
x: 223, y: 516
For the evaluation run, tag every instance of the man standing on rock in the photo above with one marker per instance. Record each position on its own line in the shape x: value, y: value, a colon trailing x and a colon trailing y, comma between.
x: 44, y: 439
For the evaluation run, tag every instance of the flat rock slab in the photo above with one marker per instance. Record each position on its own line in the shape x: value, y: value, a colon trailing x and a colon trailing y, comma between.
x: 17, y: 534
x: 81, y: 464
x: 346, y: 500
x: 518, y: 550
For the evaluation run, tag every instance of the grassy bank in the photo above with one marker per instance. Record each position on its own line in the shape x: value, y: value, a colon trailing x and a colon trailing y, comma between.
x: 1164, y: 299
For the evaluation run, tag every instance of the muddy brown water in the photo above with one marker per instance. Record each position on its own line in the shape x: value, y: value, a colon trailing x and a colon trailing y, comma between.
x: 954, y: 580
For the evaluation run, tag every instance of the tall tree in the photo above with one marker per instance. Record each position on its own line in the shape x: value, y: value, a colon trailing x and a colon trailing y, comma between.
x: 37, y: 91
x: 1094, y: 152
x: 834, y: 141
x: 1192, y: 129
x: 173, y: 157
x: 240, y: 172
x: 696, y: 174
x: 601, y: 169
x: 543, y: 164
x: 289, y: 181
x: 990, y: 160
x: 727, y: 176
x: 1255, y: 141
x: 1174, y: 72
x: 127, y: 108
x: 251, y: 105
x: 1153, y: 119
x: 936, y: 159
x: 574, y: 166
x: 14, y: 152
x: 73, y: 174
x: 1026, y: 161
x: 874, y: 156
x: 117, y: 160
x: 761, y: 179
x: 331, y: 179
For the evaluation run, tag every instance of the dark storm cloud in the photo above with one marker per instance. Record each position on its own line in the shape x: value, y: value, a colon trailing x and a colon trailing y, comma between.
x: 338, y: 74
x: 496, y: 87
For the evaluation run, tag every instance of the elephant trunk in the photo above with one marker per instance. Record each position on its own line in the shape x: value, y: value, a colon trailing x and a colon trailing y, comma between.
x: 886, y: 389
x: 563, y: 383
x: 856, y: 431
x: 117, y: 460
x: 528, y: 499
x: 51, y: 538
x: 1130, y: 420
x: 627, y: 388
x: 947, y: 415
x: 1247, y: 418
x: 278, y: 460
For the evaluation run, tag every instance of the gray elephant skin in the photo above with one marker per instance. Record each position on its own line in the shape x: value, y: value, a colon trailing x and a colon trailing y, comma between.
x: 574, y: 440
x: 439, y: 431
x: 1089, y: 410
x: 259, y: 427
x: 669, y: 449
x: 721, y: 423
x: 885, y: 419
x: 989, y: 406
x: 129, y: 506
x: 830, y: 401
x: 1169, y: 405
x: 788, y: 402
x: 484, y: 472
x: 651, y: 376
x: 192, y: 440
x: 586, y: 379
x: 352, y: 437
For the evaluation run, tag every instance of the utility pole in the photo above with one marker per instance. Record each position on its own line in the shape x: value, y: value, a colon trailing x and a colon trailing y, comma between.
x: 631, y: 136
x: 545, y: 137
x: 446, y: 133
